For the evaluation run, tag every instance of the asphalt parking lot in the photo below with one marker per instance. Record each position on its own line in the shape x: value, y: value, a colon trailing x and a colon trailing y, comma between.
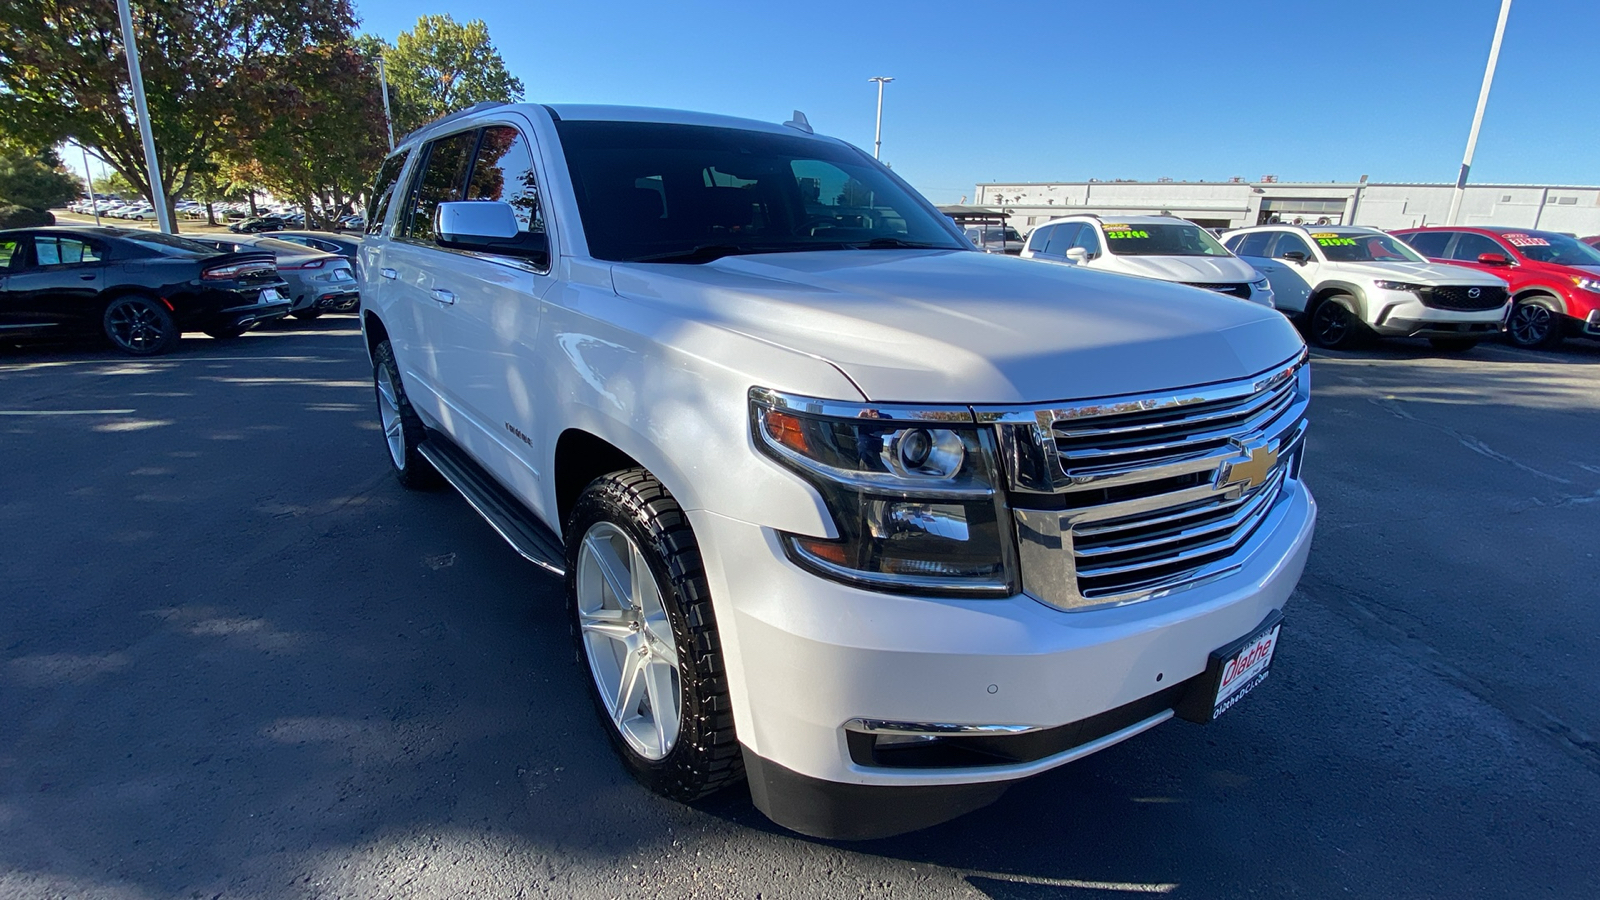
x: 237, y: 660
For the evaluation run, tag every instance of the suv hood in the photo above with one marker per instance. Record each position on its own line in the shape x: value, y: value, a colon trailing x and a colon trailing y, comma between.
x: 1190, y: 269
x: 922, y: 326
x: 1423, y: 273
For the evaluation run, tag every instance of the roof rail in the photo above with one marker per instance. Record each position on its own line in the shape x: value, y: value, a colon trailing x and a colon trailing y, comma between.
x: 458, y: 114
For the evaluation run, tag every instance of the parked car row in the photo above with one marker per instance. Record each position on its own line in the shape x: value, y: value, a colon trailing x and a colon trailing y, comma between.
x: 1343, y: 284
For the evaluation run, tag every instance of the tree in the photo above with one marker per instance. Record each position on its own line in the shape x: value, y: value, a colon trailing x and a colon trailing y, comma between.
x: 36, y: 181
x: 442, y: 66
x: 325, y: 138
x: 206, y: 66
x: 113, y: 183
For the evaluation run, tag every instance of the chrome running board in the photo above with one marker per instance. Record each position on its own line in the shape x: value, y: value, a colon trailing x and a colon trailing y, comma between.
x: 499, y: 507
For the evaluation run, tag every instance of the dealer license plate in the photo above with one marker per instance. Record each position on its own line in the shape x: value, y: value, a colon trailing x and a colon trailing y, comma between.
x: 1246, y: 668
x: 270, y: 295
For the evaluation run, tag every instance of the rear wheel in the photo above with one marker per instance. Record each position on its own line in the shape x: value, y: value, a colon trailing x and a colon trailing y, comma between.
x: 643, y: 624
x: 140, y: 326
x: 1534, y: 324
x: 402, y: 428
x: 1453, y: 345
x: 1334, y: 325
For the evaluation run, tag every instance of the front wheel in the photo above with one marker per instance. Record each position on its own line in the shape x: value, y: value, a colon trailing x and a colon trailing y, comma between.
x: 1534, y: 325
x: 140, y: 326
x: 1334, y: 326
x: 643, y: 624
x: 1453, y: 345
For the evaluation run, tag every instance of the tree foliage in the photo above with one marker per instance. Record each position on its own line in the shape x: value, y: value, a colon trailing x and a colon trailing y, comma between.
x: 325, y: 136
x: 442, y: 66
x: 36, y: 181
x: 208, y: 67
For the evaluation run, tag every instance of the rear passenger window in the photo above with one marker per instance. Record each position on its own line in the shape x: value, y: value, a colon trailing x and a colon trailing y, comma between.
x: 382, y: 191
x: 50, y: 250
x: 1469, y: 246
x: 1428, y: 243
x: 504, y: 171
x: 1251, y: 244
x: 440, y: 181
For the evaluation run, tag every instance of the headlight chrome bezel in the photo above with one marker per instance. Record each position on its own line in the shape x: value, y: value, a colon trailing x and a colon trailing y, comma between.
x: 1403, y: 286
x: 901, y: 528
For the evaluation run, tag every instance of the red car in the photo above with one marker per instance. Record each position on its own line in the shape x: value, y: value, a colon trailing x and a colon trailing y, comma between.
x: 1593, y: 241
x: 1555, y: 279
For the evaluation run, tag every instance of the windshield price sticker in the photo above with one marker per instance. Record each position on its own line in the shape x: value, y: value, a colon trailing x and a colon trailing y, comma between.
x: 1126, y: 234
x: 1526, y: 240
x: 1325, y: 234
x: 1336, y: 241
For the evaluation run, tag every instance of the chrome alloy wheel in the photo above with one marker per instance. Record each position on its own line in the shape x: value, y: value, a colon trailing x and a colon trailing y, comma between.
x: 629, y: 642
x: 389, y: 414
x: 1530, y: 324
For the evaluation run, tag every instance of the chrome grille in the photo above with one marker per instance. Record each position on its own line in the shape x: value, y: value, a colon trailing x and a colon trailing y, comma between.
x: 1153, y: 493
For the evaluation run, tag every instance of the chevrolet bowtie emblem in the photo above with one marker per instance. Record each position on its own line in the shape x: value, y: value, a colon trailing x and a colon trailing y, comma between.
x: 1251, y: 472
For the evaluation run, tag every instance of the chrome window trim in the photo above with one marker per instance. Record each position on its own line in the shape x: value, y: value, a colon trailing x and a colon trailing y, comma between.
x: 847, y: 409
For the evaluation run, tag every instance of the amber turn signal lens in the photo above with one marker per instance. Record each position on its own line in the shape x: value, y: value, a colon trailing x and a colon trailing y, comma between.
x: 835, y: 552
x: 787, y: 431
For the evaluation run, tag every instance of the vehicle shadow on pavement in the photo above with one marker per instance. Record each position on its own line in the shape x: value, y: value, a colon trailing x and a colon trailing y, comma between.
x: 237, y: 659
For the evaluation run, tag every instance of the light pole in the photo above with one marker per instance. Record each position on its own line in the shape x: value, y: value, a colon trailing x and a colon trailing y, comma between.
x: 88, y: 177
x: 877, y: 134
x: 158, y: 195
x: 383, y: 85
x: 1477, y: 117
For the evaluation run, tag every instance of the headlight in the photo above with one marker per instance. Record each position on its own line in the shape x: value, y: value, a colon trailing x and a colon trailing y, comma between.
x: 1261, y: 284
x: 1398, y: 286
x: 1587, y: 284
x: 914, y: 493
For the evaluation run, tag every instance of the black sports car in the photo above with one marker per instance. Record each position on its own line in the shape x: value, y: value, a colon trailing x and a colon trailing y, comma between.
x: 140, y: 289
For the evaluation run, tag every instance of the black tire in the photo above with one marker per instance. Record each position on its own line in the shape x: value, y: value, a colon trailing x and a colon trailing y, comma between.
x: 1453, y: 345
x: 1333, y: 325
x: 706, y: 756
x: 228, y: 333
x: 139, y: 326
x: 410, y: 469
x: 307, y: 315
x: 1535, y: 324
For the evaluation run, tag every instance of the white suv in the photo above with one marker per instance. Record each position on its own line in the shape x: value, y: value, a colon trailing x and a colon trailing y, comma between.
x: 841, y: 504
x: 1346, y: 283
x: 1161, y: 247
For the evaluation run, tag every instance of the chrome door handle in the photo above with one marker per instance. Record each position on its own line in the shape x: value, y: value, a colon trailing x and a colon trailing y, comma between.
x: 389, y: 273
x: 444, y: 296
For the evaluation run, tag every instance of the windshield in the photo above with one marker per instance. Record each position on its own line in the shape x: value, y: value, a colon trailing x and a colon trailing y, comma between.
x: 1546, y: 247
x: 993, y: 235
x: 689, y: 193
x: 1361, y: 246
x: 1162, y: 239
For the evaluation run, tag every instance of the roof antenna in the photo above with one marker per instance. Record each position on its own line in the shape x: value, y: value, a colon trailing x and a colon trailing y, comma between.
x: 799, y: 123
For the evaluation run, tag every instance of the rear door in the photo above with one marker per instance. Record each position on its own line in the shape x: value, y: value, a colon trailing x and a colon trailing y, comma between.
x: 58, y: 289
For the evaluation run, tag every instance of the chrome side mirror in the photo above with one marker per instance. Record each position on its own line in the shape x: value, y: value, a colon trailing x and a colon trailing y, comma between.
x: 486, y: 226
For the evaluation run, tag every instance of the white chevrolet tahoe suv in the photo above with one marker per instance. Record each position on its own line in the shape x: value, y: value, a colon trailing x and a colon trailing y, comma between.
x: 1162, y: 247
x: 1346, y: 283
x: 880, y: 522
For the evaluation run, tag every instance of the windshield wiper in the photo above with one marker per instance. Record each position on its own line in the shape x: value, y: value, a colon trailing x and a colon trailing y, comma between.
x: 708, y: 252
x: 894, y: 243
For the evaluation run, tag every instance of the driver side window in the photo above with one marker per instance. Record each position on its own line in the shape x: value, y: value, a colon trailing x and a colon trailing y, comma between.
x: 1088, y: 239
x: 1288, y: 242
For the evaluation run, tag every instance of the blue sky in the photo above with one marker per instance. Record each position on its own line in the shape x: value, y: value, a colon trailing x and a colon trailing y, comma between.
x: 1038, y: 91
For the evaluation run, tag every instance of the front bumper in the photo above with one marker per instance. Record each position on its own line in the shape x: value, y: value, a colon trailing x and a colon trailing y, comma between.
x: 805, y: 656
x: 1402, y: 314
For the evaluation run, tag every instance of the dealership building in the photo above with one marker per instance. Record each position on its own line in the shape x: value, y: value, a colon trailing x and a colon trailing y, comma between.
x: 1237, y: 203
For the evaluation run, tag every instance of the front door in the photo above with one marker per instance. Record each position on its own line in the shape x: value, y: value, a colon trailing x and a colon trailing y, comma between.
x: 58, y: 287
